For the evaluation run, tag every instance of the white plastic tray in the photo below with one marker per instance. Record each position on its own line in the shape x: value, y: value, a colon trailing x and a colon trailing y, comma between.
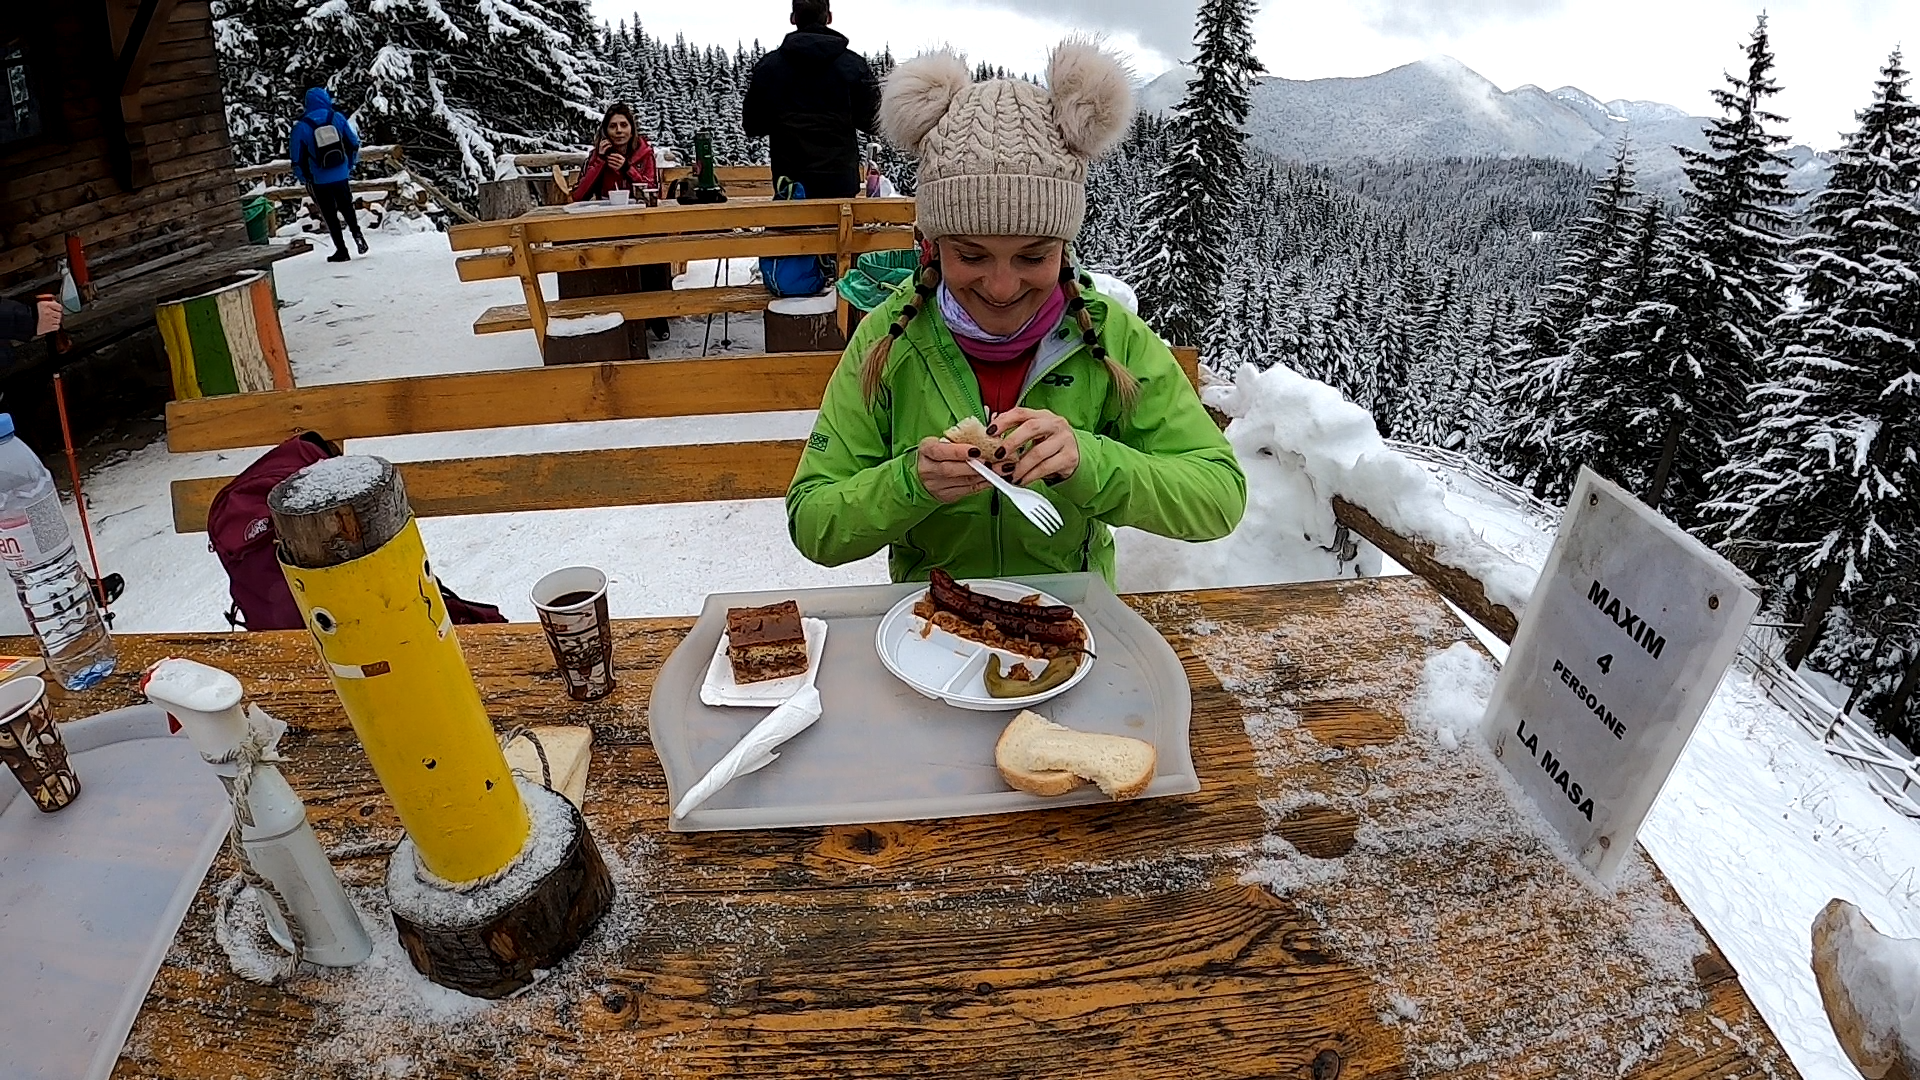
x: 950, y: 668
x: 883, y: 752
x: 91, y: 896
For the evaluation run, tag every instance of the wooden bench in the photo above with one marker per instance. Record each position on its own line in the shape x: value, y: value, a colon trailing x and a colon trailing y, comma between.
x: 551, y: 240
x: 627, y: 476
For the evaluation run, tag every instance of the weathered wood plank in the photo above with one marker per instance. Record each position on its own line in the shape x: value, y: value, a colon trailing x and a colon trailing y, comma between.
x: 1097, y: 941
x: 679, y: 249
x: 667, y: 219
x: 648, y: 305
x: 476, y: 400
x: 624, y: 390
x: 625, y: 476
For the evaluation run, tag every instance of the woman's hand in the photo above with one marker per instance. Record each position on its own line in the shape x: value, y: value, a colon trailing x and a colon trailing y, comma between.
x: 48, y: 314
x: 617, y: 161
x: 943, y: 469
x: 605, y: 145
x: 1039, y: 445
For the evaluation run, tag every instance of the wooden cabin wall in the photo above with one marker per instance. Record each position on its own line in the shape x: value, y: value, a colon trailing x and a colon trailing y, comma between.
x: 67, y: 181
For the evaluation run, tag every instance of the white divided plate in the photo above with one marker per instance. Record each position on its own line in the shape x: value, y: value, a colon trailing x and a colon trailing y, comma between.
x: 720, y: 689
x: 952, y: 669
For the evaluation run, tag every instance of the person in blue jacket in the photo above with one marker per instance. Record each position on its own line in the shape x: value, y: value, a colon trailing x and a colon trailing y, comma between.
x: 324, y: 149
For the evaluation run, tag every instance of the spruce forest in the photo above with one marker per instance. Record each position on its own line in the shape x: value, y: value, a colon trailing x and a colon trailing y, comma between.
x: 1748, y: 366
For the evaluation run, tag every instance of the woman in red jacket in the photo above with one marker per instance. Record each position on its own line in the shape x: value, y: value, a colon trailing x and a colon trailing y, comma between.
x: 621, y: 161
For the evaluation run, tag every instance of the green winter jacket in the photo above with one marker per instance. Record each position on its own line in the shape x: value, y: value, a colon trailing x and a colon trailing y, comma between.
x: 1164, y: 467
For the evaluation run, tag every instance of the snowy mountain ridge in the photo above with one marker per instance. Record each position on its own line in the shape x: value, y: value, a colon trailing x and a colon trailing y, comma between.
x: 1439, y: 107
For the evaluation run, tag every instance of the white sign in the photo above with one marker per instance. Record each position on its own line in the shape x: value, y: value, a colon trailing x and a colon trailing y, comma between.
x: 1625, y: 640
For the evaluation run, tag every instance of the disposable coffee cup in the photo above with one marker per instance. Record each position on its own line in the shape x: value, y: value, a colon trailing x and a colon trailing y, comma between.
x: 31, y: 746
x: 619, y: 197
x: 572, y: 603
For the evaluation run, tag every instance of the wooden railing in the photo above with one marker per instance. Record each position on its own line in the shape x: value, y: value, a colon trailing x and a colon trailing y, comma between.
x: 626, y: 390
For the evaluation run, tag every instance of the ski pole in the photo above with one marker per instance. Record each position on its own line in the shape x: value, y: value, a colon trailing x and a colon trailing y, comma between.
x: 79, y: 498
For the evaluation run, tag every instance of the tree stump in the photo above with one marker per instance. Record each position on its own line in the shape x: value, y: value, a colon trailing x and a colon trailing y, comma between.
x: 489, y: 941
x: 497, y: 880
x: 501, y: 199
x: 572, y: 345
x: 593, y: 339
x: 803, y: 324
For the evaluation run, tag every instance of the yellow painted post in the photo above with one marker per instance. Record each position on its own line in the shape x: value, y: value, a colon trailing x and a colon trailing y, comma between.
x: 387, y: 639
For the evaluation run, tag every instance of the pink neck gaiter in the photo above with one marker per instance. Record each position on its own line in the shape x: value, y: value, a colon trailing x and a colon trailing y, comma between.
x: 977, y: 344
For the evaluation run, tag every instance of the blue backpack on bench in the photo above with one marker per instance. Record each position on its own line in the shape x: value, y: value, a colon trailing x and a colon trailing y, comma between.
x: 794, y: 275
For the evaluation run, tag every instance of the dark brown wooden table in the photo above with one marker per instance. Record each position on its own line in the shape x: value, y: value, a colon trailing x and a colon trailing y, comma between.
x: 1407, y: 933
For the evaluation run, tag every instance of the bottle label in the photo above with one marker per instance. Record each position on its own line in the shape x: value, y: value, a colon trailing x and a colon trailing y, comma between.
x: 34, y: 535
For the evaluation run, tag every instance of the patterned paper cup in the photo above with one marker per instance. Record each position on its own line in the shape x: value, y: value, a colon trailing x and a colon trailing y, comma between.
x: 30, y: 744
x: 573, y: 609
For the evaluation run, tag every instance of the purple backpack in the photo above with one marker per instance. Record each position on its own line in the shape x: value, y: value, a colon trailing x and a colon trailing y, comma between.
x: 240, y: 531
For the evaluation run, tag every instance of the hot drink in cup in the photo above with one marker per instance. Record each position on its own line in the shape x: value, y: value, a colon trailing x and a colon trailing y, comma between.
x: 31, y: 746
x: 572, y: 603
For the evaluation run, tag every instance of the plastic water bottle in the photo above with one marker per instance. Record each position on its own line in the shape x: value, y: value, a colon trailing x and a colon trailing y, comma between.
x: 38, y: 551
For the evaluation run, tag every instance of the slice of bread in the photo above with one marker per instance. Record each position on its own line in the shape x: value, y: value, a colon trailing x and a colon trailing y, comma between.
x: 569, y: 751
x: 973, y: 433
x: 1039, y: 756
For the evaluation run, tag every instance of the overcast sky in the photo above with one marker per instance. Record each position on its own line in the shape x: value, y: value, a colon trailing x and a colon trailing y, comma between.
x: 1657, y: 50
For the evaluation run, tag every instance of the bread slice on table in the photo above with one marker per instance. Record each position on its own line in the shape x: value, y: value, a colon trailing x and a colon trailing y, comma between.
x: 1039, y: 756
x: 972, y: 432
x: 569, y: 750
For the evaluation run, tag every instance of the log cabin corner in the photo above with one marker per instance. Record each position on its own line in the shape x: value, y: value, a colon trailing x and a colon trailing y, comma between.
x: 114, y: 148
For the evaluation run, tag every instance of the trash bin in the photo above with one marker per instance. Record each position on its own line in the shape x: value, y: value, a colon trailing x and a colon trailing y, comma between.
x: 259, y: 215
x: 225, y: 339
x: 875, y: 275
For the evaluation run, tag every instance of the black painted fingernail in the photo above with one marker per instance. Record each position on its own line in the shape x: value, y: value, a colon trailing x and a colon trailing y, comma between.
x: 1007, y: 468
x: 999, y: 452
x: 973, y: 451
x: 993, y: 429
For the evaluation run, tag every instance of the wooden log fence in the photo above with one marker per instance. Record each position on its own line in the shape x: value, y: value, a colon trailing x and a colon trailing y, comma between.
x: 1894, y: 776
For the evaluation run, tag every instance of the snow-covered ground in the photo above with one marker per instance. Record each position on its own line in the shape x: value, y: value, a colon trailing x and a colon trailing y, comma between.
x: 400, y: 311
x: 1758, y: 828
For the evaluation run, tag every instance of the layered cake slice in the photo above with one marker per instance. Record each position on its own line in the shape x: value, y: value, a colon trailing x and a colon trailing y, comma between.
x: 766, y: 642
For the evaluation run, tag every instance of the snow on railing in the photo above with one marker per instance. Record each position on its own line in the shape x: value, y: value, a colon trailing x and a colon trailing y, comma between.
x: 1893, y: 776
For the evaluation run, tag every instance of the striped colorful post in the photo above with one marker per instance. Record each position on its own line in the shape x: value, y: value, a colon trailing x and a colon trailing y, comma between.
x: 226, y: 340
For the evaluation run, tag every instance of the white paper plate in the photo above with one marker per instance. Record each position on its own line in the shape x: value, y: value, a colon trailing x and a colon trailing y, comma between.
x: 952, y: 669
x: 720, y: 689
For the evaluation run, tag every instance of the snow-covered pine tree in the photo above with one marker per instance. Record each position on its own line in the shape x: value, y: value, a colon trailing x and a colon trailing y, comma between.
x: 1189, y: 218
x: 1527, y: 444
x: 250, y: 38
x: 456, y: 81
x: 1824, y: 487
x: 1689, y: 390
x: 1591, y: 423
x: 1424, y: 408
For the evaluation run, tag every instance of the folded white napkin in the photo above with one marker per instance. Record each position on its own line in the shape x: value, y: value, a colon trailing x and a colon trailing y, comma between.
x: 755, y: 751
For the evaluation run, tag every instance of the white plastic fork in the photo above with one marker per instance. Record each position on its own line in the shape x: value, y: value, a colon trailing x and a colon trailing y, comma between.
x: 1032, y: 505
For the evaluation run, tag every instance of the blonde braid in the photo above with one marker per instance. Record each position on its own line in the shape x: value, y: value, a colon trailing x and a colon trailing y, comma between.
x: 874, y: 366
x: 1123, y: 380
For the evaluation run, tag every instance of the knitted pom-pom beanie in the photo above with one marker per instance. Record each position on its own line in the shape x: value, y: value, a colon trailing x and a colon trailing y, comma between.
x: 1006, y: 157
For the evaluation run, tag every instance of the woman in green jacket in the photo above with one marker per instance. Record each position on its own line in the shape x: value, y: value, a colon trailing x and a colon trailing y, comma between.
x: 1085, y: 403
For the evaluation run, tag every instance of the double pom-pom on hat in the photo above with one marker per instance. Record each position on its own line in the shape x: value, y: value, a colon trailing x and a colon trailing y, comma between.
x: 1092, y: 99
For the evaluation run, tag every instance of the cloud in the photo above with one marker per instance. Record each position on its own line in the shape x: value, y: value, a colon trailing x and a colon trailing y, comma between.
x: 1420, y: 18
x: 1165, y: 26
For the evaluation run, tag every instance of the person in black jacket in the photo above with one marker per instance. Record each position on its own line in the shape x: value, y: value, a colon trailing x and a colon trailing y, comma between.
x: 812, y: 97
x: 24, y: 322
